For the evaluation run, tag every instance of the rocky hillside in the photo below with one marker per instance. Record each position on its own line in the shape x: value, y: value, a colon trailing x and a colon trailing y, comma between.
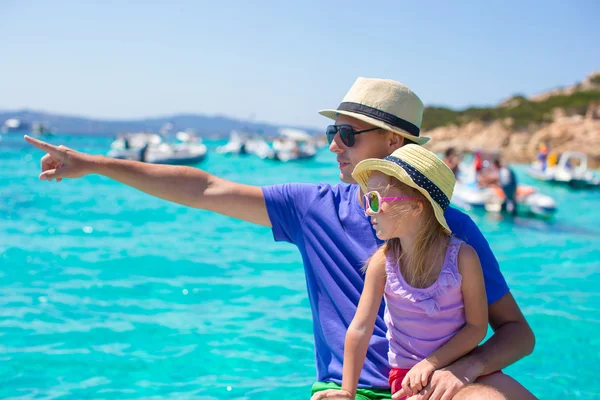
x: 565, y: 118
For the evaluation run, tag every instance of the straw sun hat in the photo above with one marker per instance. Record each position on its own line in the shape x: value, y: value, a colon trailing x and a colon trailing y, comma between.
x: 384, y: 103
x: 418, y: 168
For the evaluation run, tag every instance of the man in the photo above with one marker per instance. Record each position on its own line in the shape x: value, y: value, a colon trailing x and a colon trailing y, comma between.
x: 452, y: 159
x: 543, y: 155
x: 507, y: 181
x: 335, y: 238
x: 504, y: 178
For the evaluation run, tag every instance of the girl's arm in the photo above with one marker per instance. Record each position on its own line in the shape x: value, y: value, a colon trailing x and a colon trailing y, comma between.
x: 465, y: 340
x: 476, y: 311
x: 361, y: 328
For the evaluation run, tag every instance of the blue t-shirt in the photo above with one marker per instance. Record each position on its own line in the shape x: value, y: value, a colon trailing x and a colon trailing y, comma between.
x: 335, y: 239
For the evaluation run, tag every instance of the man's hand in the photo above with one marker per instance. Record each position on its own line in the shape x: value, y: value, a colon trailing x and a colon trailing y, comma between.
x: 333, y: 394
x: 61, y: 162
x: 445, y: 383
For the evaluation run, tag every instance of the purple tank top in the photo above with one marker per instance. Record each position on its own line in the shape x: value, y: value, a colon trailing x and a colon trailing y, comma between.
x: 419, y: 321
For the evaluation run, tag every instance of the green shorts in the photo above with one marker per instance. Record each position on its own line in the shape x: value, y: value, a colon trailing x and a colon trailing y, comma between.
x: 361, y: 394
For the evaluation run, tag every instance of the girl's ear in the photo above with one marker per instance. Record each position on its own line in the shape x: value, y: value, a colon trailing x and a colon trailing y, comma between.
x: 418, y: 208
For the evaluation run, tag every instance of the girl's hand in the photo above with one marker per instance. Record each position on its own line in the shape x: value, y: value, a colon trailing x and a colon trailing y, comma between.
x: 418, y: 376
x: 333, y: 394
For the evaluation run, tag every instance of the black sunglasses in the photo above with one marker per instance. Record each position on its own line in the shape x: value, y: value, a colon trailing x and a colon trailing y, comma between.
x: 347, y: 133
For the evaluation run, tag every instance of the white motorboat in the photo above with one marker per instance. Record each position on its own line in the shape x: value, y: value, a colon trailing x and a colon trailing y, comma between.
x: 175, y: 154
x: 529, y: 201
x: 259, y: 147
x: 571, y: 169
x: 294, y: 144
x: 303, y: 152
x: 14, y: 125
x: 135, y: 140
x: 235, y: 145
x: 151, y: 148
x: 128, y: 146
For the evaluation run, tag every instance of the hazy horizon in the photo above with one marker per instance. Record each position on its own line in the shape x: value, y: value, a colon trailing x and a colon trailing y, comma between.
x: 280, y: 63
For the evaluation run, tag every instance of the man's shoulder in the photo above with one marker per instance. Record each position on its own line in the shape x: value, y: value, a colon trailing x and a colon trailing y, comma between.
x: 344, y: 188
x: 461, y: 224
x: 311, y: 192
x: 338, y: 189
x: 456, y: 218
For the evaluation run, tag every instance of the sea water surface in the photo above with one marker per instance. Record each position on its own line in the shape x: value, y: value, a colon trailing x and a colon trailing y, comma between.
x: 106, y: 292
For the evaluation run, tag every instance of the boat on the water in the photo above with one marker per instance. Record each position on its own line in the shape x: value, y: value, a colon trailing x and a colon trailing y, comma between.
x: 151, y: 148
x: 14, y: 125
x: 571, y: 170
x: 294, y: 144
x: 235, y: 145
x: 530, y: 202
x: 470, y: 195
x: 291, y: 144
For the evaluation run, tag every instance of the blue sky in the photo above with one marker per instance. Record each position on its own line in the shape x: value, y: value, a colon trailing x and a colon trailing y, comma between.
x: 282, y: 61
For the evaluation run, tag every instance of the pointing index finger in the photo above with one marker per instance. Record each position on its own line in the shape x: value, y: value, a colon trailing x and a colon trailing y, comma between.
x: 47, y: 147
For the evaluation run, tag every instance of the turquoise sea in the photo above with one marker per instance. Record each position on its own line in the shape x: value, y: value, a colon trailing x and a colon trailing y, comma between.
x: 106, y: 292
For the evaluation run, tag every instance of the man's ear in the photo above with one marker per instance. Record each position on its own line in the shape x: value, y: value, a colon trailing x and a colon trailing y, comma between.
x: 395, y: 141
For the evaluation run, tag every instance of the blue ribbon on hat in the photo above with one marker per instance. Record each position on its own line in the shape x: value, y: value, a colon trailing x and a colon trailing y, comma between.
x: 381, y: 116
x: 423, y: 182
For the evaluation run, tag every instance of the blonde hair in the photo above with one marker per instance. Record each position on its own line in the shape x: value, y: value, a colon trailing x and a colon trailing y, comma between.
x: 416, y: 266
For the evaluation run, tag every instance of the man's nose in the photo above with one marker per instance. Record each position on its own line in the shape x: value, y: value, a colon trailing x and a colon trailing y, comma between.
x: 337, y: 146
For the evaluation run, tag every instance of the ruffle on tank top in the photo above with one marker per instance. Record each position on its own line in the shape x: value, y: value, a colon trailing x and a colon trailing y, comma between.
x: 427, y: 298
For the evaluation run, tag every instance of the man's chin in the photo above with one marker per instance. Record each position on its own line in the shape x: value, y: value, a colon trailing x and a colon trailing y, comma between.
x: 346, y: 174
x: 346, y: 178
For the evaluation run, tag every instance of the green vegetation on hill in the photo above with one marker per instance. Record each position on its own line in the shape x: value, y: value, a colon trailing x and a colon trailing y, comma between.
x: 522, y: 111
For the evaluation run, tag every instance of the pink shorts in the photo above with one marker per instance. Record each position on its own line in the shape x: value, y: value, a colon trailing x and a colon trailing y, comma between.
x: 398, y: 374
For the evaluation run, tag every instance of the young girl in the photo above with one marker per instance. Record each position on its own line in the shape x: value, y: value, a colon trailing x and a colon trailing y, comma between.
x: 436, y: 307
